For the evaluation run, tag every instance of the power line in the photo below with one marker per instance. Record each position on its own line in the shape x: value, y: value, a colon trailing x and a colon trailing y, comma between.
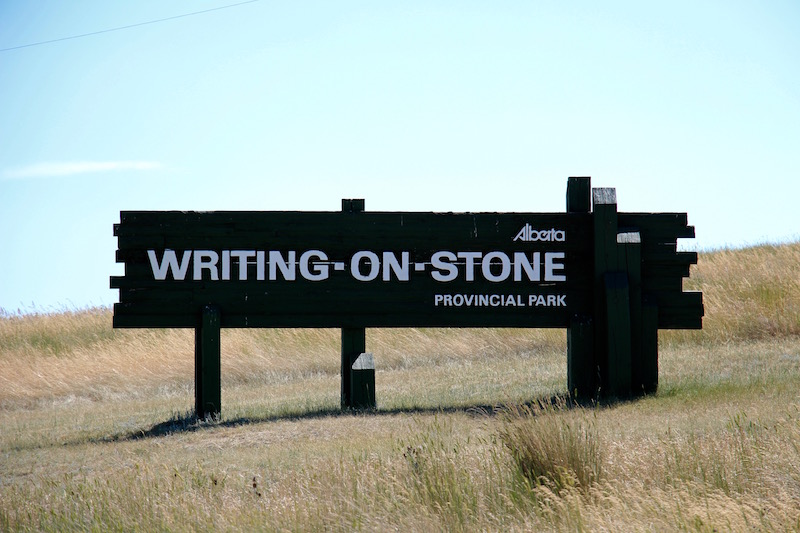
x: 127, y: 27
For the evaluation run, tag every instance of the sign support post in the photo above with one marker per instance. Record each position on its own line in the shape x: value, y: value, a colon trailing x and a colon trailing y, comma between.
x: 354, y: 343
x: 582, y: 373
x: 207, y: 379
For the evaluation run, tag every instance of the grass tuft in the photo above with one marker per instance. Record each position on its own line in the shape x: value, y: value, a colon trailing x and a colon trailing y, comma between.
x: 554, y: 446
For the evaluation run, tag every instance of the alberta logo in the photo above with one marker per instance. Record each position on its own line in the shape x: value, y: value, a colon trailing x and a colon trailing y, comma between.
x: 528, y: 234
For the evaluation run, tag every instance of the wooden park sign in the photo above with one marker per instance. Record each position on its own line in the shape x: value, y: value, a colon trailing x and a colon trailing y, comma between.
x: 612, y: 279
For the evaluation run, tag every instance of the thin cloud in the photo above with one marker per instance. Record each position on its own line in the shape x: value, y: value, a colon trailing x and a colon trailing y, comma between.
x: 55, y: 170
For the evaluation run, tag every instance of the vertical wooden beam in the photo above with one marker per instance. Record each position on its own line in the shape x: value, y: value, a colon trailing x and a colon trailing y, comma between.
x: 629, y: 246
x: 618, y: 338
x: 582, y: 379
x: 604, y: 206
x: 353, y: 342
x: 207, y: 382
x: 605, y: 230
x: 582, y: 374
x: 352, y: 205
x: 579, y: 195
x: 648, y: 379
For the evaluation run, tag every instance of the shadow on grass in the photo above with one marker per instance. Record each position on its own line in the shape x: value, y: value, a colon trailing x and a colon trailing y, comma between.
x: 188, y: 422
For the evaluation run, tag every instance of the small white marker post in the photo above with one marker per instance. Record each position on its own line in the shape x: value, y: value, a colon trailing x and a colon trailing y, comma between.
x: 362, y: 382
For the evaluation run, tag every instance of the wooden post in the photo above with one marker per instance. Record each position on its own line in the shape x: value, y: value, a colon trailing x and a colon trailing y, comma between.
x: 353, y: 345
x: 604, y: 202
x: 207, y: 382
x: 579, y: 195
x: 362, y: 382
x: 355, y: 205
x: 582, y: 380
x: 647, y: 380
x: 618, y: 335
x: 630, y: 258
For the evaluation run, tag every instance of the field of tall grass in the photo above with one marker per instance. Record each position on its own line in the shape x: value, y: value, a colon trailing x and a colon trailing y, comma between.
x: 96, y: 431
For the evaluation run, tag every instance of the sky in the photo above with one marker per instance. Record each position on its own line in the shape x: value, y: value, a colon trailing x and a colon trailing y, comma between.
x: 682, y: 106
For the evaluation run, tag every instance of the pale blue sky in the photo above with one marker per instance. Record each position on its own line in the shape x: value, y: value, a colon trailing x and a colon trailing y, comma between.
x: 419, y: 106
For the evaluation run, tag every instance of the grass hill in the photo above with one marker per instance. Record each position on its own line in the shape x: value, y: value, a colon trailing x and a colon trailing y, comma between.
x: 96, y: 432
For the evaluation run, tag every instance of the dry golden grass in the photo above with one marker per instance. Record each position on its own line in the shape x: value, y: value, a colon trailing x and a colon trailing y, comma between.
x: 94, y: 362
x: 748, y: 294
x: 95, y: 432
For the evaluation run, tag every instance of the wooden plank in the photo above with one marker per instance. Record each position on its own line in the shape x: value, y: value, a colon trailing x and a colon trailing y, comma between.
x: 160, y: 316
x: 662, y: 284
x: 668, y: 320
x: 658, y: 227
x: 689, y: 300
x: 683, y: 310
x: 667, y: 255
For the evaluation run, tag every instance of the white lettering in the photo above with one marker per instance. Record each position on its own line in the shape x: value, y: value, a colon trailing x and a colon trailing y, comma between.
x: 206, y: 260
x: 446, y: 266
x: 226, y: 265
x: 550, y: 266
x: 505, y: 267
x: 443, y: 262
x: 169, y: 262
x: 374, y: 265
x: 242, y: 257
x: 391, y: 264
x: 288, y: 266
x: 320, y: 270
x: 261, y: 259
x: 531, y: 269
x: 469, y: 263
x: 528, y: 234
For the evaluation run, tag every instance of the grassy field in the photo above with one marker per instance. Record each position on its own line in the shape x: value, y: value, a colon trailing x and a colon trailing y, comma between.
x: 96, y: 432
